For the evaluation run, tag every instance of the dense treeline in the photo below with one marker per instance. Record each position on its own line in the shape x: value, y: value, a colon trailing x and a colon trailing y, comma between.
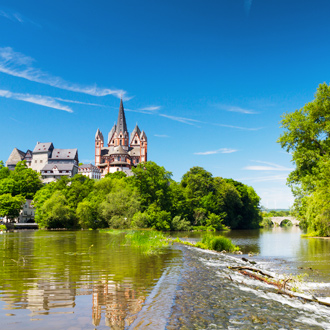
x: 148, y: 199
x: 307, y: 138
x: 15, y: 187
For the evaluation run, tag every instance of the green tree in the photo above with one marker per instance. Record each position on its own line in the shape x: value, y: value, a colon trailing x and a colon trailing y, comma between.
x: 153, y: 184
x: 55, y: 213
x: 307, y: 137
x: 120, y: 205
x: 11, y: 206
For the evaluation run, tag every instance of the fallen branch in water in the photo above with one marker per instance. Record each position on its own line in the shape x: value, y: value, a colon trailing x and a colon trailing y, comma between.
x: 282, y: 286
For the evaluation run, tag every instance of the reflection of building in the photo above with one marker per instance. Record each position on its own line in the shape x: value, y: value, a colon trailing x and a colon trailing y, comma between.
x: 122, y: 151
x: 90, y: 171
x: 121, y: 303
x: 44, y: 297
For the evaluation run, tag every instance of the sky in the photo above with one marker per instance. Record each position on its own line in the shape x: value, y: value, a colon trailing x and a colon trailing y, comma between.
x: 206, y: 80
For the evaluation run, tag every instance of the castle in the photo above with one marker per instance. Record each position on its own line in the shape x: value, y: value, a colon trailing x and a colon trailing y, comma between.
x: 123, y: 150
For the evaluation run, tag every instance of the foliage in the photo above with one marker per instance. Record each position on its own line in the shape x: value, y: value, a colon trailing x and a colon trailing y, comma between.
x: 148, y: 241
x: 55, y: 213
x: 307, y: 138
x: 266, y: 222
x: 179, y: 224
x: 218, y: 243
x: 11, y: 206
x: 22, y: 181
x: 3, y: 227
x: 149, y: 199
x: 119, y: 206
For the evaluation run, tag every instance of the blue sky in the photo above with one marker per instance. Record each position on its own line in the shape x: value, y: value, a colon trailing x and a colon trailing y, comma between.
x: 206, y: 80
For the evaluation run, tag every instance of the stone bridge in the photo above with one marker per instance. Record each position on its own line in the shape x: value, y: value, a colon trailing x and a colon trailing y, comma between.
x: 278, y: 220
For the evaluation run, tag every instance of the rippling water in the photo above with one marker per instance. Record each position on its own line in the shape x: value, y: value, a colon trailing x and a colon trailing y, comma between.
x: 88, y: 280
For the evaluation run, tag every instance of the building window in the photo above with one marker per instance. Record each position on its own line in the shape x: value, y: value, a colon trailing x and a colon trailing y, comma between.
x: 113, y: 141
x: 120, y: 142
x: 135, y: 141
x: 40, y: 160
x: 35, y: 161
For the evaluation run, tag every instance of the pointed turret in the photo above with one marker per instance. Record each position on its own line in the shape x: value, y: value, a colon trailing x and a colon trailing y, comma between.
x: 121, y: 122
x: 136, y: 131
x: 99, y: 133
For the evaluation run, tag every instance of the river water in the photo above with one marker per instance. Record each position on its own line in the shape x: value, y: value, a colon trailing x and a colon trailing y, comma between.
x: 88, y: 280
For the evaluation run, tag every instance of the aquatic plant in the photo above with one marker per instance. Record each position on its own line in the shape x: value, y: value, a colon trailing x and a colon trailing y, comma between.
x: 148, y: 241
x: 208, y: 242
x: 218, y: 243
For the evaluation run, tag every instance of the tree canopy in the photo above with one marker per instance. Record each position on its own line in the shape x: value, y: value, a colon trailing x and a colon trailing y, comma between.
x: 307, y: 137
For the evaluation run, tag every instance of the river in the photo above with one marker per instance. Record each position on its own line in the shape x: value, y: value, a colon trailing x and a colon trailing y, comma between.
x: 88, y: 280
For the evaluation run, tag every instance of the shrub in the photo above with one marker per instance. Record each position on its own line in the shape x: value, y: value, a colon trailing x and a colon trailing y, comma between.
x: 179, y: 224
x: 218, y: 243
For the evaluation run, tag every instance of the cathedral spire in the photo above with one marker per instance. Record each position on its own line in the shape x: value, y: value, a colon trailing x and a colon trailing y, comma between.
x: 121, y: 122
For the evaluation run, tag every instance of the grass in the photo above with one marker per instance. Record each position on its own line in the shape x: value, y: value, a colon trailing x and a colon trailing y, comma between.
x: 215, y: 243
x: 148, y: 241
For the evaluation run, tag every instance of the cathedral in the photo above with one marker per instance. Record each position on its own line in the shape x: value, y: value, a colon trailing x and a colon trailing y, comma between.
x: 122, y: 150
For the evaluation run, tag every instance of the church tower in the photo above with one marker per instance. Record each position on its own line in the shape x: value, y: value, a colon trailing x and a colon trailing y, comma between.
x: 123, y: 150
x: 99, y: 141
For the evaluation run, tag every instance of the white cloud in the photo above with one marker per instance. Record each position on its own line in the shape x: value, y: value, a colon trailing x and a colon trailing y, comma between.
x: 78, y: 102
x: 151, y: 108
x: 218, y: 151
x: 247, y: 5
x: 238, y: 127
x: 236, y: 109
x: 15, y: 16
x: 183, y: 120
x: 269, y: 167
x: 45, y: 101
x: 275, y: 178
x: 161, y: 135
x: 20, y: 65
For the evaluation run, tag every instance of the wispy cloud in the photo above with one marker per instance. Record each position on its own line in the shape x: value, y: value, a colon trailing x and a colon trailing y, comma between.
x: 269, y: 167
x: 45, y: 101
x: 247, y: 6
x: 14, y: 16
x: 79, y: 102
x: 19, y: 65
x: 232, y: 108
x: 151, y: 108
x: 239, y: 127
x: 161, y: 135
x: 275, y: 178
x: 184, y: 120
x: 218, y: 151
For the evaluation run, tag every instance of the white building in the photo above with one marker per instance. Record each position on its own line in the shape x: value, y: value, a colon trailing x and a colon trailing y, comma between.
x: 90, y: 171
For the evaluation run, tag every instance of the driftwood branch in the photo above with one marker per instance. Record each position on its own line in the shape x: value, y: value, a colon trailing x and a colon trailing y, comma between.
x: 281, y: 286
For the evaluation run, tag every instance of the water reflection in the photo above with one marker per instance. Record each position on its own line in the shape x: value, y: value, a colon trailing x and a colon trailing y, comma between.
x: 48, y: 273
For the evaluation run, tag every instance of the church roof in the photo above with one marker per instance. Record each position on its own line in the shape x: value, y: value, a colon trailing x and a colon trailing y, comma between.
x: 110, y: 135
x: 119, y: 151
x: 134, y: 152
x: 135, y: 130
x: 121, y: 122
x: 43, y: 147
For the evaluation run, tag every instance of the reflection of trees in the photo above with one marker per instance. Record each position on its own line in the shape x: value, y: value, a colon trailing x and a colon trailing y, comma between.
x: 43, y: 270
